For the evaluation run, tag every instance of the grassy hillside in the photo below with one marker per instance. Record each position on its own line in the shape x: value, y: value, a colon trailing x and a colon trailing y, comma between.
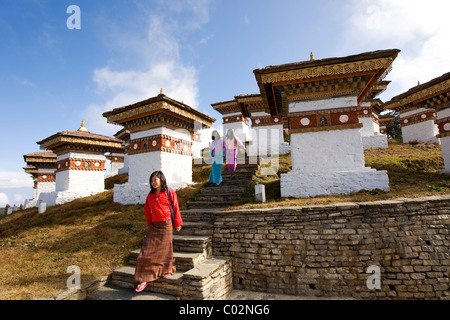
x: 413, y: 171
x: 97, y: 234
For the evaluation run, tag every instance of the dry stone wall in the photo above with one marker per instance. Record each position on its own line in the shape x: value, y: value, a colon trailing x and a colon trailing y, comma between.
x: 341, y: 249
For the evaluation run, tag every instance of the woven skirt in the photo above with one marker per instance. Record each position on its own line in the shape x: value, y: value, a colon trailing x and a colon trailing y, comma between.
x: 155, y: 259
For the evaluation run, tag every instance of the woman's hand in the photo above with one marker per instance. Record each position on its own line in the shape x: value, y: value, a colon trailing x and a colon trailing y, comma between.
x: 178, y: 228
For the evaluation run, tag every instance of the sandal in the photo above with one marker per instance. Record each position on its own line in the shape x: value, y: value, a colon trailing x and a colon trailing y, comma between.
x: 142, y: 286
x: 167, y: 276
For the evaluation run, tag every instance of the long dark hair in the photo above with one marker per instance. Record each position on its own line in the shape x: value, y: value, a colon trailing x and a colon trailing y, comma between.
x: 232, y: 134
x: 161, y: 177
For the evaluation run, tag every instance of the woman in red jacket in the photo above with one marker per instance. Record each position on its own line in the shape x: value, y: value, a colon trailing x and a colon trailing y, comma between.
x: 155, y: 259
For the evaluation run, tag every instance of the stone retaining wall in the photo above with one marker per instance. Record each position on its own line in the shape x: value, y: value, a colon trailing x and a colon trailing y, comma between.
x: 341, y: 249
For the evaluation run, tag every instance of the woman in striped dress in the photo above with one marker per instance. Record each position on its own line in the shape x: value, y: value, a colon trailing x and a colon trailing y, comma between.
x: 155, y: 259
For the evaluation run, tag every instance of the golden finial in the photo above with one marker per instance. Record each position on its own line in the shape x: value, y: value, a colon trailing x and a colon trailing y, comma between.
x: 312, y: 57
x: 83, y: 127
x: 161, y: 91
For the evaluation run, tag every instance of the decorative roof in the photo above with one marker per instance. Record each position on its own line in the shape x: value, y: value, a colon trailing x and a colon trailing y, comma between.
x: 359, y: 75
x: 147, y: 113
x: 81, y: 140
x: 43, y: 156
x: 433, y: 94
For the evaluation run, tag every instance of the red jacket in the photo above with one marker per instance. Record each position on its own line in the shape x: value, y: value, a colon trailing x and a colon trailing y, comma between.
x: 157, y: 208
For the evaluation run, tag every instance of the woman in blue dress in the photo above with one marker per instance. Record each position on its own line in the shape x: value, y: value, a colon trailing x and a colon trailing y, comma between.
x: 217, y: 151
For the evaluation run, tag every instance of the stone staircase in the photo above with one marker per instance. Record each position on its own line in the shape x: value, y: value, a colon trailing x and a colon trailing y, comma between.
x: 199, y: 276
x: 229, y: 191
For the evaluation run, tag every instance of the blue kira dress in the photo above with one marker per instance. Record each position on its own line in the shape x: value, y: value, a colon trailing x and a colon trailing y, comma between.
x: 217, y: 157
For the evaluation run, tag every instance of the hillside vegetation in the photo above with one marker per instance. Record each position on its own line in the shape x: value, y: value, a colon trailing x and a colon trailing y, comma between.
x: 97, y: 234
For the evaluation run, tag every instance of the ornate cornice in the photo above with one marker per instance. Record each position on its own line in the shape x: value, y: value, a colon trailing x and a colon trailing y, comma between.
x: 429, y: 115
x: 442, y: 88
x: 328, y: 71
x: 157, y: 104
x: 160, y: 142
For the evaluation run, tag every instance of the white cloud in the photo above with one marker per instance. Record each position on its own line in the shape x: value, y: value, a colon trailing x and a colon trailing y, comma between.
x: 11, y: 180
x: 158, y: 64
x: 418, y: 28
x: 3, y: 200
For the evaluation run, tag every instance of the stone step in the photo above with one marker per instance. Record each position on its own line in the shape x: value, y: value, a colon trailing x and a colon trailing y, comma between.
x: 210, y: 280
x: 184, y: 261
x: 124, y: 278
x: 222, y: 189
x: 208, y: 204
x: 242, y: 168
x: 232, y: 177
x: 200, y: 215
x: 190, y: 243
x: 202, y: 228
x: 109, y: 292
x: 219, y: 197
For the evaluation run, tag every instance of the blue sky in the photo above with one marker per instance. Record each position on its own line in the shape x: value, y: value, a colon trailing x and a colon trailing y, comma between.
x: 198, y: 51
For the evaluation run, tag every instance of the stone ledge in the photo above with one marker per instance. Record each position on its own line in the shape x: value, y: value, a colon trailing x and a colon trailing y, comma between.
x: 83, y: 292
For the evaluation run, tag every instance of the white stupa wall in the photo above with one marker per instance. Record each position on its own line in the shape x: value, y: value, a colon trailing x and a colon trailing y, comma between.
x: 240, y: 128
x: 424, y: 131
x: 73, y: 184
x: 177, y: 168
x: 41, y: 187
x: 443, y: 115
x: 269, y: 139
x: 80, y: 181
x: 328, y: 162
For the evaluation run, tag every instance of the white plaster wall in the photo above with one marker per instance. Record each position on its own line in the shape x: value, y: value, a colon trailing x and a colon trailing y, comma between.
x: 267, y: 140
x: 131, y: 193
x: 327, y: 150
x: 62, y: 180
x: 260, y: 114
x: 423, y: 131
x: 179, y: 133
x: 323, y: 104
x: 241, y: 130
x: 30, y: 203
x: 412, y: 112
x: 445, y: 143
x: 115, y: 166
x: 45, y: 187
x: 125, y: 163
x: 61, y: 197
x: 368, y: 128
x: 300, y: 184
x: 142, y: 165
x: 176, y: 168
x: 77, y: 155
x: 82, y: 182
x: 41, y: 170
x: 441, y: 114
x: 378, y: 141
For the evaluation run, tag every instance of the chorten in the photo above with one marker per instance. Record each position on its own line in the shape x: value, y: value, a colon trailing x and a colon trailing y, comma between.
x: 80, y: 163
x: 321, y: 99
x: 425, y: 113
x: 42, y: 166
x: 161, y: 137
x: 417, y: 120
